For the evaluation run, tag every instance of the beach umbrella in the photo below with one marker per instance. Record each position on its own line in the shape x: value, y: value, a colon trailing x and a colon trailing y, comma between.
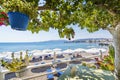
x: 33, y: 51
x: 102, y: 50
x: 68, y: 51
x: 57, y: 49
x: 59, y: 52
x: 47, y: 51
x: 2, y: 55
x: 95, y: 50
x: 17, y: 54
x: 92, y: 50
x: 8, y: 57
x: 47, y: 54
x: 37, y: 54
x: 79, y: 50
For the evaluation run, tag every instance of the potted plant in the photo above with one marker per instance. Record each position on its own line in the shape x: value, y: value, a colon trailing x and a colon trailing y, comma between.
x: 3, y: 18
x: 20, y: 12
x: 17, y: 65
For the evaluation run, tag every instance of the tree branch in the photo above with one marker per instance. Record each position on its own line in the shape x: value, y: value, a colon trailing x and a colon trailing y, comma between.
x: 111, y: 30
x: 105, y: 7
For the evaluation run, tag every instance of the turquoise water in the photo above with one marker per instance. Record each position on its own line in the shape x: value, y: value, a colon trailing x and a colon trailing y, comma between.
x: 4, y: 47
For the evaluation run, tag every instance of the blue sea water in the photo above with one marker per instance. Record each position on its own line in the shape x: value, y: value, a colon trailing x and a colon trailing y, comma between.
x: 4, y: 47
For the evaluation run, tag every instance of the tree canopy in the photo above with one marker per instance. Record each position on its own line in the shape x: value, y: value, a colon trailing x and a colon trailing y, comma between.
x: 90, y: 14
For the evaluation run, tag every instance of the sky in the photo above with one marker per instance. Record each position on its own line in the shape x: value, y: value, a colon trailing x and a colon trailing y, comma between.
x: 9, y: 35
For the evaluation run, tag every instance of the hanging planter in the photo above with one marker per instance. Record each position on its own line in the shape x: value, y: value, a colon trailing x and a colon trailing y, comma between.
x: 21, y: 12
x: 18, y: 21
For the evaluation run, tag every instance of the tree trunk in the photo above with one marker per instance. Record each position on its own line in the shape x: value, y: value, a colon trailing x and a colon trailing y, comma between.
x: 116, y: 41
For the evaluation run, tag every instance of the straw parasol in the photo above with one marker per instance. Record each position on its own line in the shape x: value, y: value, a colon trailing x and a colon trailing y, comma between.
x: 47, y: 51
x: 57, y: 49
x: 79, y: 50
x: 92, y: 50
x: 68, y: 51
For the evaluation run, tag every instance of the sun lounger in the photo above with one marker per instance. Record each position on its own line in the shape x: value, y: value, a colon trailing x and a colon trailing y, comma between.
x: 59, y: 73
x: 50, y: 76
x: 79, y: 56
x: 58, y: 60
x: 42, y: 62
x: 61, y: 65
x: 34, y: 59
x: 72, y: 58
x: 40, y: 69
x: 40, y: 58
x: 36, y: 63
x: 48, y: 57
x: 75, y: 62
x: 60, y: 56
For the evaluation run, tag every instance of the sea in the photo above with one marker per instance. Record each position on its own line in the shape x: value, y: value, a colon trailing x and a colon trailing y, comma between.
x: 13, y: 47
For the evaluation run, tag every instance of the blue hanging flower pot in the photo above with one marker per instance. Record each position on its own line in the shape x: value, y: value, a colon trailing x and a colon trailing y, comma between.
x: 18, y: 21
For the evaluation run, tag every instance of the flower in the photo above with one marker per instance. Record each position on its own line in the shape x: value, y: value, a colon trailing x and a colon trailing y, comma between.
x: 3, y: 18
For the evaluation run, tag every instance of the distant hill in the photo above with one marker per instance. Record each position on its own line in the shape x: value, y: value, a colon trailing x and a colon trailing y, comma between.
x: 90, y: 40
x: 82, y: 40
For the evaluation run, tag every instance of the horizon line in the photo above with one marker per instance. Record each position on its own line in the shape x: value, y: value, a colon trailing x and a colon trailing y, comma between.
x: 52, y: 40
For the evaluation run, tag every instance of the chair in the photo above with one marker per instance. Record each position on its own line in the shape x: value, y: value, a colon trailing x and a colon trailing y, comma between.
x: 59, y: 73
x: 61, y: 65
x: 34, y: 59
x: 40, y: 58
x: 50, y: 76
x: 42, y: 62
x: 58, y: 60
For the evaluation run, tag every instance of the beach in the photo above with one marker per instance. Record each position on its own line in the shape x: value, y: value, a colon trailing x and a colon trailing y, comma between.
x: 41, y: 60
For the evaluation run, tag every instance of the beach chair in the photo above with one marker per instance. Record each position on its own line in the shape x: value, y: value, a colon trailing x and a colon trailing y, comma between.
x: 42, y: 62
x: 72, y: 58
x: 61, y: 65
x: 50, y: 76
x: 60, y: 56
x: 58, y: 60
x: 48, y: 57
x: 40, y: 58
x: 59, y: 73
x: 34, y: 59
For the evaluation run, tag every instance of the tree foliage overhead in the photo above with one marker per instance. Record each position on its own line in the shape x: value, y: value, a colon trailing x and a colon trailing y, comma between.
x: 90, y: 14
